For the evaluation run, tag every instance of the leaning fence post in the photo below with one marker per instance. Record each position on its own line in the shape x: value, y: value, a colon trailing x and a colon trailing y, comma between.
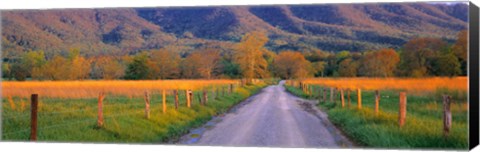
x: 402, y: 109
x: 101, y: 96
x: 164, y: 101
x: 359, y: 98
x: 447, y: 115
x: 231, y: 89
x: 33, y: 117
x: 175, y: 93
x: 147, y: 105
x: 342, y: 98
x: 377, y: 101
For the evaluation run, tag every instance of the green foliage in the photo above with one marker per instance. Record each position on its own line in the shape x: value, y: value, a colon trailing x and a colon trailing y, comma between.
x: 138, y: 68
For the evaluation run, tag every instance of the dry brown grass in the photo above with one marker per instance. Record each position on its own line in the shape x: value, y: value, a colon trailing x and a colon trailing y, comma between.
x: 408, y: 84
x: 91, y: 89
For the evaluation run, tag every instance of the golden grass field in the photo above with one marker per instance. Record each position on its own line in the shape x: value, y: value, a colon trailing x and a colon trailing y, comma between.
x: 91, y: 88
x: 407, y: 84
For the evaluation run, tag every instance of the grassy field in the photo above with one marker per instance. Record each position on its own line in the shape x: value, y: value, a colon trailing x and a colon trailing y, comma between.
x: 67, y: 118
x: 424, y: 121
x: 91, y: 88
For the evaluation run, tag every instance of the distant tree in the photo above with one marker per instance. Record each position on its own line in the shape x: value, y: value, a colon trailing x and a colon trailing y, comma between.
x: 381, y: 63
x: 460, y: 49
x: 6, y: 70
x: 292, y: 65
x: 347, y: 68
x: 319, y: 68
x: 55, y: 69
x: 229, y: 68
x: 107, y: 68
x: 249, y: 55
x: 138, y: 68
x: 31, y: 60
x: 19, y: 71
x: 79, y: 68
x: 447, y: 64
x: 418, y: 55
x: 166, y: 63
x: 342, y: 55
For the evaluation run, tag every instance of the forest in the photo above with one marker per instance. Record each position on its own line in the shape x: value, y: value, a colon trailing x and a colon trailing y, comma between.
x: 249, y: 58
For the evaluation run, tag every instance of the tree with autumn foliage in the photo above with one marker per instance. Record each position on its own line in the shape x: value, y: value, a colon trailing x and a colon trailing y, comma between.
x: 107, y: 68
x: 166, y: 63
x: 418, y: 55
x: 292, y: 65
x: 381, y: 63
x: 249, y: 56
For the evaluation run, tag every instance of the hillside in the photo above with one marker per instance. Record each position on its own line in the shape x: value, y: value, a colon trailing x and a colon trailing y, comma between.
x: 354, y: 27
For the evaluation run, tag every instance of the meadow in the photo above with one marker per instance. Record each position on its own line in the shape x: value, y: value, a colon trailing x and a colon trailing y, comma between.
x: 424, y: 120
x: 68, y: 110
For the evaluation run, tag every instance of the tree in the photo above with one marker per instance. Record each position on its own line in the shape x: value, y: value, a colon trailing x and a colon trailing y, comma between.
x: 55, y: 69
x: 447, y: 64
x: 460, y: 50
x: 107, y: 68
x: 319, y: 68
x: 138, y: 69
x: 79, y: 68
x: 166, y: 63
x: 19, y: 72
x: 380, y: 63
x: 418, y: 55
x: 6, y: 70
x: 29, y: 61
x: 347, y: 68
x: 292, y: 65
x: 249, y: 55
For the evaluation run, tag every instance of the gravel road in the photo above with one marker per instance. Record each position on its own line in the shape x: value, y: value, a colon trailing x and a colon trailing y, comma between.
x: 274, y: 118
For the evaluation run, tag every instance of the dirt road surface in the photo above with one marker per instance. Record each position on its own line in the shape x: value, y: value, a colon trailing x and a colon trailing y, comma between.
x: 272, y: 118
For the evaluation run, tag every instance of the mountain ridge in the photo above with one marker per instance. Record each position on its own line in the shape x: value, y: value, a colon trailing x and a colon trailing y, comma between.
x: 353, y: 27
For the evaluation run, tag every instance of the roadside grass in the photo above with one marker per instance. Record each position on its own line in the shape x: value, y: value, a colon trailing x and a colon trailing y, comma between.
x: 424, y: 122
x: 74, y: 120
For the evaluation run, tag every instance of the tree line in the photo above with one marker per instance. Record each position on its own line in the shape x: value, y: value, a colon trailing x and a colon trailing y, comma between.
x: 419, y: 57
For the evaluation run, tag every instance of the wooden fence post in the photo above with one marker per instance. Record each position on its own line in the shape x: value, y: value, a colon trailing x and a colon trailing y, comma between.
x: 447, y: 115
x: 205, y: 97
x: 342, y: 98
x: 164, y: 101
x: 349, y: 101
x: 175, y: 93
x: 359, y: 98
x: 402, y: 109
x: 377, y: 101
x: 187, y: 97
x: 231, y: 89
x: 101, y: 96
x: 331, y: 94
x: 147, y: 105
x: 33, y: 117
